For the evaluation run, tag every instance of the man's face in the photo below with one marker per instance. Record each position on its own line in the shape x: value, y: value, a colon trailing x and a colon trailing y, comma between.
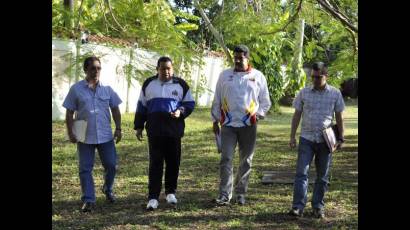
x: 93, y: 71
x: 241, y: 61
x: 165, y: 71
x: 318, y: 79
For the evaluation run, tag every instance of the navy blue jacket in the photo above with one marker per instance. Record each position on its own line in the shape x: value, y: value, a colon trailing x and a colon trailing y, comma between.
x: 157, y: 100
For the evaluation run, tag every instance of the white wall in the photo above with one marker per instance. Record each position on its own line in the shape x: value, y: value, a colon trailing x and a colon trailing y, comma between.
x: 112, y: 73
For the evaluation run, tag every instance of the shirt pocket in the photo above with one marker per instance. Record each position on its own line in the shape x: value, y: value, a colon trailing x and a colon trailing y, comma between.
x: 103, y: 101
x: 307, y: 104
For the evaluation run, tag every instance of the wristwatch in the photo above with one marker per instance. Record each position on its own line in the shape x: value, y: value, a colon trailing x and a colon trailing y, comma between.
x: 342, y: 140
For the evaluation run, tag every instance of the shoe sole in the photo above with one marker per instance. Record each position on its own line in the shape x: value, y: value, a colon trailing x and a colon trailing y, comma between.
x: 222, y: 203
x: 295, y: 215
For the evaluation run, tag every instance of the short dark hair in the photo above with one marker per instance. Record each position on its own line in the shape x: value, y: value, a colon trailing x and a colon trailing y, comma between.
x: 88, y: 61
x: 242, y: 49
x: 163, y: 59
x: 321, y: 67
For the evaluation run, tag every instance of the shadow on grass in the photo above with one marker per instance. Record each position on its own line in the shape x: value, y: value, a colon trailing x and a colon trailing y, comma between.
x: 131, y: 210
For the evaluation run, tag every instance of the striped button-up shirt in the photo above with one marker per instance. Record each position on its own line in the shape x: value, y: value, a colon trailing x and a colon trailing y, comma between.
x: 94, y: 107
x: 318, y: 108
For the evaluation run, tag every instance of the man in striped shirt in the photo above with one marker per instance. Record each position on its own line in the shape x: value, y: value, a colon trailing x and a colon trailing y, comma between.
x: 316, y: 105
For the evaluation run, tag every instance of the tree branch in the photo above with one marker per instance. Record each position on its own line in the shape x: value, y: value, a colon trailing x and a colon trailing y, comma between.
x: 112, y: 15
x: 217, y: 35
x: 294, y: 16
x: 80, y: 10
x: 337, y: 15
x: 106, y: 20
x: 352, y: 33
x: 355, y: 46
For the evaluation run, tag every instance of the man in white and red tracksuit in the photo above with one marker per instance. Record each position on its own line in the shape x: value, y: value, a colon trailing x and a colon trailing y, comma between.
x: 164, y: 103
x: 241, y: 98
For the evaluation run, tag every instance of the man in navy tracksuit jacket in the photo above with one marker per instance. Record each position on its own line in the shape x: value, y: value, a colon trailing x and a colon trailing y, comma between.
x: 164, y: 103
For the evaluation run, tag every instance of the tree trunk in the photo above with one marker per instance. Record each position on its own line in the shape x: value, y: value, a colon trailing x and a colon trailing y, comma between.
x: 77, y: 59
x: 69, y: 6
x: 129, y: 79
x: 296, y: 65
x: 296, y: 73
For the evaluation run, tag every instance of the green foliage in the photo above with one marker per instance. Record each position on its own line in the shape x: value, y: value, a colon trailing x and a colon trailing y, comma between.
x: 151, y: 24
x: 268, y: 56
x: 326, y: 39
x: 185, y: 15
x: 329, y: 41
x: 186, y: 26
x: 268, y: 52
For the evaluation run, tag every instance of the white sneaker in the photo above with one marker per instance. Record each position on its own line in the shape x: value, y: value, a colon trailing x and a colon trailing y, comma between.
x: 152, y: 204
x: 171, y: 199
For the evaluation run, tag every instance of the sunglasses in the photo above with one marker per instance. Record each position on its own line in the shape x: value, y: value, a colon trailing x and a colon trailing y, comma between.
x: 318, y: 76
x: 95, y: 67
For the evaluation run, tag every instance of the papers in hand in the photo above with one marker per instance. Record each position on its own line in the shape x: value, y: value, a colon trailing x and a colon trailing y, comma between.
x: 330, y: 135
x: 80, y: 130
x: 218, y: 142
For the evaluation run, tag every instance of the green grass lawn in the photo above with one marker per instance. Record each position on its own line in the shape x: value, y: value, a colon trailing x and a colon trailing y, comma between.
x: 266, y: 206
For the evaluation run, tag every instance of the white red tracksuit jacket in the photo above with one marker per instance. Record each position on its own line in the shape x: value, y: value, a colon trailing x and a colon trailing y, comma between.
x: 239, y: 97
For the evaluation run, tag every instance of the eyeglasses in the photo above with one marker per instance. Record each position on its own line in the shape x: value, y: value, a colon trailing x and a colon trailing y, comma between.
x: 94, y: 68
x: 318, y: 76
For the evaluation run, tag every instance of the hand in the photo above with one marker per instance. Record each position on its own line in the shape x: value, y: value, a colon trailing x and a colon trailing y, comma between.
x: 216, y: 128
x: 72, y: 138
x: 339, y: 145
x: 176, y: 114
x: 117, y: 135
x: 292, y: 143
x: 139, y: 134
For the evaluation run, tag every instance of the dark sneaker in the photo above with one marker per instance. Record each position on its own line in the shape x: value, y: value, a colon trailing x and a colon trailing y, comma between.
x: 296, y: 212
x: 87, y: 207
x: 318, y: 213
x: 240, y: 199
x: 222, y: 200
x: 109, y: 196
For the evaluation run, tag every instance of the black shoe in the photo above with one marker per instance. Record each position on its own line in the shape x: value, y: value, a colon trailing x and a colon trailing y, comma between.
x: 318, y: 213
x: 87, y: 207
x: 109, y: 196
x: 296, y: 212
x: 240, y: 199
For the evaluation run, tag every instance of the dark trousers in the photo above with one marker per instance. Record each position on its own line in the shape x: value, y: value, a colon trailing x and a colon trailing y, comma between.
x: 162, y: 149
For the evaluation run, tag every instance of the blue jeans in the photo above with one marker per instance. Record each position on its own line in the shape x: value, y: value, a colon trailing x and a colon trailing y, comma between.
x: 306, y: 151
x: 108, y: 156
